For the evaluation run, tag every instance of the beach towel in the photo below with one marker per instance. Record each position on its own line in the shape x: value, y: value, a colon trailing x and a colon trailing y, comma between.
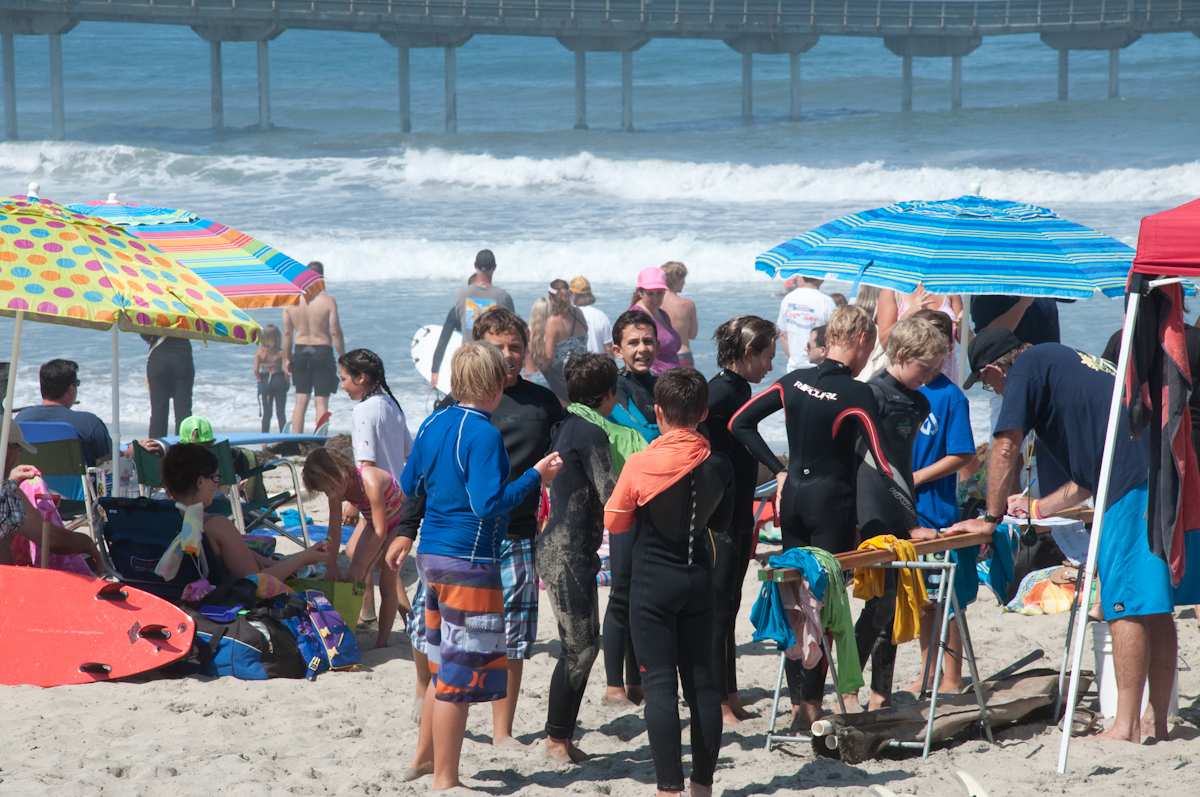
x: 27, y: 552
x: 623, y: 441
x: 910, y: 587
x: 1158, y: 386
x: 770, y: 621
x: 189, y: 542
x: 650, y: 472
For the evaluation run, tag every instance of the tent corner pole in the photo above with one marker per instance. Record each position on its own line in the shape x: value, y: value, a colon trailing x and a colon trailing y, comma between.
x: 1138, y: 285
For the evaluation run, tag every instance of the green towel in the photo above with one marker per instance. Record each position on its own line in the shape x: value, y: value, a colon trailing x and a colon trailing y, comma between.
x: 835, y: 616
x: 622, y: 440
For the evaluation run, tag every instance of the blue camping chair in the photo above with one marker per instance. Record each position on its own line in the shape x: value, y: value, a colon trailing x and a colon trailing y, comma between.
x: 60, y: 459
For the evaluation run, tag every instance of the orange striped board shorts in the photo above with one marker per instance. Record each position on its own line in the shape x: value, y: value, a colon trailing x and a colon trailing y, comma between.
x: 464, y: 628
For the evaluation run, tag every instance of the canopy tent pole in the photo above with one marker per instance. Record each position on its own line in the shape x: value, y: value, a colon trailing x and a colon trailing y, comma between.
x: 115, y: 431
x: 1136, y: 287
x: 14, y: 358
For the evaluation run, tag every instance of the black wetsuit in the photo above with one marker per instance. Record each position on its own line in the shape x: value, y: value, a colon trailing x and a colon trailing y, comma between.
x: 620, y: 667
x: 727, y: 392
x: 567, y: 563
x: 826, y: 412
x: 671, y: 613
x: 886, y: 505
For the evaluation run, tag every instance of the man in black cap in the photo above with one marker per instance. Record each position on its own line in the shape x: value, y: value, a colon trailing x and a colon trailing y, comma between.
x: 471, y: 301
x: 1063, y: 396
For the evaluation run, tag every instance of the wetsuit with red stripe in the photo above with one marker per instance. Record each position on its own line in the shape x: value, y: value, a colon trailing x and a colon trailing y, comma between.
x: 826, y: 413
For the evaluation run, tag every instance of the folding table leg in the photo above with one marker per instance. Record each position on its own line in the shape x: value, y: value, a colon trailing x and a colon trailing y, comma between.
x: 969, y: 654
x: 947, y: 569
x: 1062, y: 670
x: 775, y: 702
x: 928, y: 661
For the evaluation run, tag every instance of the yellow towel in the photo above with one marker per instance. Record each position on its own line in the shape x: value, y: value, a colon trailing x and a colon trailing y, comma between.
x: 910, y: 587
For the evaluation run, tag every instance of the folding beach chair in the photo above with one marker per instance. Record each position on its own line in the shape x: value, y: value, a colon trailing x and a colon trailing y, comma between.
x: 60, y: 459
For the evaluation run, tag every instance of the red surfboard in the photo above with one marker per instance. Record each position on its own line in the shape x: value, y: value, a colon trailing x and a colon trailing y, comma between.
x: 61, y: 628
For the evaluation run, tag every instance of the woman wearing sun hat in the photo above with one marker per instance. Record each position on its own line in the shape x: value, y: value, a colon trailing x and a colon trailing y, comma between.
x: 648, y: 297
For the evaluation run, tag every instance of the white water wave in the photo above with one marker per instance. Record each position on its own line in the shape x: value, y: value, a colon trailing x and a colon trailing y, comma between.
x: 64, y: 169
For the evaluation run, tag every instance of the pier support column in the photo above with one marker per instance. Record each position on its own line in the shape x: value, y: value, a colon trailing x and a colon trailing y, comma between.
x: 581, y: 90
x: 747, y: 88
x: 217, y: 86
x: 794, y: 85
x: 450, y: 57
x: 260, y: 34
x: 1113, y: 40
x: 10, y: 86
x: 627, y: 90
x: 449, y: 44
x: 910, y: 47
x: 955, y: 82
x: 1114, y: 73
x: 264, y: 86
x: 58, y: 121
x: 404, y: 84
x: 751, y: 44
x: 1064, y: 75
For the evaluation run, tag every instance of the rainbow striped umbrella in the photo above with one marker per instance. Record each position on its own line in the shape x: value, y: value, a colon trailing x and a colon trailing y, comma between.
x: 246, y: 271
x: 64, y: 267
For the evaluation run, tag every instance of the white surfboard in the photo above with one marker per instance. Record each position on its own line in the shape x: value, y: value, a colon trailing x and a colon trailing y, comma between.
x: 424, y: 343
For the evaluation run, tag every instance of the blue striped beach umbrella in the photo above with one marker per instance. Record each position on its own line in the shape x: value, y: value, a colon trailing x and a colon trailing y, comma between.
x: 968, y: 245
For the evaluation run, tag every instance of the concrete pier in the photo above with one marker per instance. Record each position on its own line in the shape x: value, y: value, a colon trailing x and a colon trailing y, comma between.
x: 264, y: 86
x: 747, y: 88
x: 794, y: 86
x: 450, y: 55
x: 910, y: 47
x: 1112, y: 40
x: 627, y: 90
x: 581, y: 90
x: 750, y: 45
x: 404, y: 87
x: 217, y: 86
x: 58, y: 115
x: 10, y: 85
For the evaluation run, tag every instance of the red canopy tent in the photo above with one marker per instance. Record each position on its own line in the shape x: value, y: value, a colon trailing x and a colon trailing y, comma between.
x: 1155, y: 376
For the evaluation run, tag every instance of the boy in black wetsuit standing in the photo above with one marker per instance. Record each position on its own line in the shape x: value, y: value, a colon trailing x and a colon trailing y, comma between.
x: 827, y: 413
x: 887, y: 501
x: 635, y: 341
x: 745, y: 349
x: 671, y: 496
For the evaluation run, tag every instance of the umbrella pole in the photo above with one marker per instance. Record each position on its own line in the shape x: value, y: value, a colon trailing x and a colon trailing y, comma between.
x: 14, y: 358
x: 116, y: 411
x: 1137, y: 284
x: 964, y: 340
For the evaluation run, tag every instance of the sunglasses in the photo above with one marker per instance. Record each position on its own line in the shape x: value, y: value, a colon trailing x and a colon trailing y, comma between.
x: 215, y: 478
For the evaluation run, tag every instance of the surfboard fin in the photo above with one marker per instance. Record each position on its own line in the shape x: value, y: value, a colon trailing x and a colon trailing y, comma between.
x: 95, y: 668
x: 112, y: 591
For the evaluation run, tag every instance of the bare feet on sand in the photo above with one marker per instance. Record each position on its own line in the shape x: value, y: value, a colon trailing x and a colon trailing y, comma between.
x: 508, y: 743
x: 622, y: 697
x: 805, y: 714
x: 417, y: 771
x: 734, y: 702
x: 563, y: 751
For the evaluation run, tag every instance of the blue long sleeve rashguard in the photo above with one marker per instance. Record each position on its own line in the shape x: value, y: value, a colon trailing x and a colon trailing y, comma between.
x: 459, y: 464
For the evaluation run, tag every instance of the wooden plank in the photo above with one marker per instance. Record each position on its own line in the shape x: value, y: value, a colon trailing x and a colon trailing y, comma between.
x: 853, y: 559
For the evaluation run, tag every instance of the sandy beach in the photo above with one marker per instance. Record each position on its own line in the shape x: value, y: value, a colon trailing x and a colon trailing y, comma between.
x: 350, y: 733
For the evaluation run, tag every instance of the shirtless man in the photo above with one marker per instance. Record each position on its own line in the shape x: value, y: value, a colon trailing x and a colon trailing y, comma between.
x: 311, y: 333
x: 681, y: 311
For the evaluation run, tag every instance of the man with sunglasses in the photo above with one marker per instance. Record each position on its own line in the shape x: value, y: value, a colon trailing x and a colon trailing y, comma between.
x: 1063, y: 396
x: 60, y: 392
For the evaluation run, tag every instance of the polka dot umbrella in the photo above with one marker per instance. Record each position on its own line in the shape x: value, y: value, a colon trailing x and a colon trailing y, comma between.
x: 62, y: 267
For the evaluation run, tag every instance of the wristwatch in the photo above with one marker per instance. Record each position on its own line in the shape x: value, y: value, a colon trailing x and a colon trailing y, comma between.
x: 993, y: 519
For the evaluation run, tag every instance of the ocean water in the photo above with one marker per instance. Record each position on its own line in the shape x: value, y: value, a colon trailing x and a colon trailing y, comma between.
x: 397, y: 219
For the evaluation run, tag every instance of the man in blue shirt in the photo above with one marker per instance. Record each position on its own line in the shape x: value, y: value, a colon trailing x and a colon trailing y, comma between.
x: 60, y: 390
x: 1063, y: 395
x: 942, y: 447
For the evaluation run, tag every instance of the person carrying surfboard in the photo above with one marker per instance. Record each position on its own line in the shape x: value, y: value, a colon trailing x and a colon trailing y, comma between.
x: 471, y: 302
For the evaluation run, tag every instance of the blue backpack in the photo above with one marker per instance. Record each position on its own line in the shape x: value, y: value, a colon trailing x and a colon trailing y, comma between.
x: 324, y: 639
x: 252, y: 647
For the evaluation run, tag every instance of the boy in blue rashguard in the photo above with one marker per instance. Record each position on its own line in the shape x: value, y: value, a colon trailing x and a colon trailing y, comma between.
x: 943, y: 447
x: 460, y: 467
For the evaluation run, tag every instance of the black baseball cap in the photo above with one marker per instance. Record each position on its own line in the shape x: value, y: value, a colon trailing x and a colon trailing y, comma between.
x: 987, y: 347
x: 485, y: 260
